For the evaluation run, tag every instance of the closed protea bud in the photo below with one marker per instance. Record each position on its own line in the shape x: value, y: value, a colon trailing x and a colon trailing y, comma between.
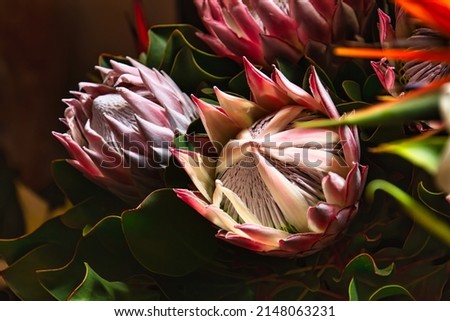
x: 275, y: 188
x: 120, y: 130
x: 263, y: 30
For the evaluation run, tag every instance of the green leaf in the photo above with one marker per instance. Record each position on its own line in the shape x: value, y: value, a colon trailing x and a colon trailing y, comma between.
x: 52, y: 232
x: 414, y: 209
x: 372, y: 89
x: 61, y: 282
x: 178, y: 51
x: 104, y: 60
x: 167, y: 236
x: 364, y: 265
x: 21, y: 275
x: 391, y: 292
x: 425, y: 282
x: 422, y: 104
x: 353, y: 291
x: 415, y: 243
x: 96, y: 288
x: 293, y: 72
x: 104, y: 248
x: 167, y: 40
x: 238, y: 85
x: 436, y: 201
x: 74, y: 184
x: 362, y: 274
x: 184, y: 64
x: 352, y: 89
x: 423, y: 150
x: 89, y: 212
x: 352, y: 71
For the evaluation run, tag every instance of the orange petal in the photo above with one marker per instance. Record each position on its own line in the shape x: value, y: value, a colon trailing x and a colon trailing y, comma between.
x: 434, y: 13
x: 437, y: 55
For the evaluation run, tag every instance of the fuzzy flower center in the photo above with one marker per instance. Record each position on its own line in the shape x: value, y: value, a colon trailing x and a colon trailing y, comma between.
x: 303, y: 171
x: 111, y: 106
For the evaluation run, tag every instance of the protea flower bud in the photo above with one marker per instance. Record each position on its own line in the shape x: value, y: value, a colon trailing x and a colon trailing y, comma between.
x: 120, y: 130
x: 263, y: 30
x: 275, y: 188
x: 399, y: 76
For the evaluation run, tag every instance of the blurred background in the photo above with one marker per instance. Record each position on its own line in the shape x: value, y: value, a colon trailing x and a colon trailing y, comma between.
x: 46, y: 48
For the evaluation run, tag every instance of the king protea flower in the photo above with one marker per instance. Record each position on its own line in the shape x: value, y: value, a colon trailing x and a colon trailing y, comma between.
x: 275, y: 188
x: 120, y: 130
x: 263, y: 30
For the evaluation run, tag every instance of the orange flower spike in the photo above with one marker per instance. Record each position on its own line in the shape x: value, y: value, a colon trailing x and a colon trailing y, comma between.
x: 437, y: 55
x: 434, y: 13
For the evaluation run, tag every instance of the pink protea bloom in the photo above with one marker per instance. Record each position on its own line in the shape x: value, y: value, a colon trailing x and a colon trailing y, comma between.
x: 263, y: 30
x: 120, y: 131
x: 397, y: 76
x: 275, y: 188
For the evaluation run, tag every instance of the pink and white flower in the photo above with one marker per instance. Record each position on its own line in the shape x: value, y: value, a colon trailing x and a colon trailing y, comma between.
x: 275, y: 188
x: 120, y: 131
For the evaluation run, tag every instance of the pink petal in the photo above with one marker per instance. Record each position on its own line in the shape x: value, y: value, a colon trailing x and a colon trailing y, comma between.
x: 386, y: 31
x: 244, y: 24
x: 241, y: 46
x: 321, y: 95
x: 218, y: 125
x: 199, y: 168
x: 84, y: 162
x: 321, y: 215
x: 345, y: 23
x: 386, y: 74
x: 266, y: 92
x: 144, y: 107
x: 245, y: 242
x: 218, y: 47
x: 334, y: 188
x: 155, y: 135
x: 263, y: 234
x: 95, y: 90
x: 350, y: 143
x: 345, y: 192
x: 296, y: 93
x: 301, y: 243
x: 122, y: 68
x: 241, y: 111
x: 212, y: 213
x: 287, y: 195
x: 276, y: 21
x: 312, y: 25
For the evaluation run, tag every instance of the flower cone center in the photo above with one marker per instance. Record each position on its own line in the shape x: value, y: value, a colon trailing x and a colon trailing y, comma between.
x: 245, y: 180
x: 114, y: 106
